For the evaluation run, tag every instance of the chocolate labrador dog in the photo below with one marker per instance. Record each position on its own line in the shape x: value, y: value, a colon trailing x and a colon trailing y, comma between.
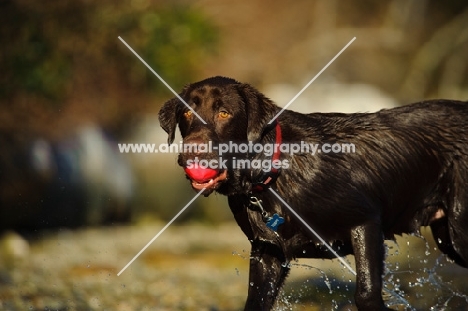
x: 356, y: 179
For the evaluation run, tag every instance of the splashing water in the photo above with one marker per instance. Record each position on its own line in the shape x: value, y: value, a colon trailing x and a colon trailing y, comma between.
x: 415, y: 270
x: 326, y: 289
x: 416, y: 277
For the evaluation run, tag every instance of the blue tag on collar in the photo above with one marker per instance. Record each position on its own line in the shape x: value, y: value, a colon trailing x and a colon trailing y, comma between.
x: 274, y: 222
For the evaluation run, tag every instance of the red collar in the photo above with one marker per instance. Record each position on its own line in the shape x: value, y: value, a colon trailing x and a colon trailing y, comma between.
x: 265, y: 179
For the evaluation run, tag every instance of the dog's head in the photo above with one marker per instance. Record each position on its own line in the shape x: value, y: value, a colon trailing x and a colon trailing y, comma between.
x: 216, y: 110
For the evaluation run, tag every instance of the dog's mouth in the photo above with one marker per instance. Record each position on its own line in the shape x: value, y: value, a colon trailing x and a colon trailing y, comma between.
x: 205, y: 178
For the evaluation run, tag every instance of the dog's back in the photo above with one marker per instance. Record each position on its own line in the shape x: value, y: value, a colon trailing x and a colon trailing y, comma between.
x: 412, y: 161
x: 444, y: 124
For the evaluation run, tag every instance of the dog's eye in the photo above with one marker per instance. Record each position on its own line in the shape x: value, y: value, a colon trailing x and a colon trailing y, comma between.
x: 223, y: 114
x: 188, y: 114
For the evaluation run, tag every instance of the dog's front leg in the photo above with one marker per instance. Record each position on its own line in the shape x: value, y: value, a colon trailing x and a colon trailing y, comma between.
x: 368, y: 250
x: 268, y: 270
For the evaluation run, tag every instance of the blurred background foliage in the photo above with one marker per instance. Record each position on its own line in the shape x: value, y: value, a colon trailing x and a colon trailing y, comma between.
x: 69, y: 90
x: 62, y: 54
x: 63, y: 69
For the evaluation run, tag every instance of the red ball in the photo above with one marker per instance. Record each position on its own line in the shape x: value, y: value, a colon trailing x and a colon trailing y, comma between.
x: 201, y: 175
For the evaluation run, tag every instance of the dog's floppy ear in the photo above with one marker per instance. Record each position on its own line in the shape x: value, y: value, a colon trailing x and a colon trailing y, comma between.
x: 169, y: 117
x: 260, y: 110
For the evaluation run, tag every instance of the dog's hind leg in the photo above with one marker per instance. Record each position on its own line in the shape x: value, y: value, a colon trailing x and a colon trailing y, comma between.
x: 442, y: 236
x: 451, y: 229
x: 268, y: 270
x: 459, y: 233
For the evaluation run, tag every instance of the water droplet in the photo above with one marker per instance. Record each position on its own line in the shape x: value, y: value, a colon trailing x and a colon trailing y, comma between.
x: 286, y: 264
x: 251, y: 283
